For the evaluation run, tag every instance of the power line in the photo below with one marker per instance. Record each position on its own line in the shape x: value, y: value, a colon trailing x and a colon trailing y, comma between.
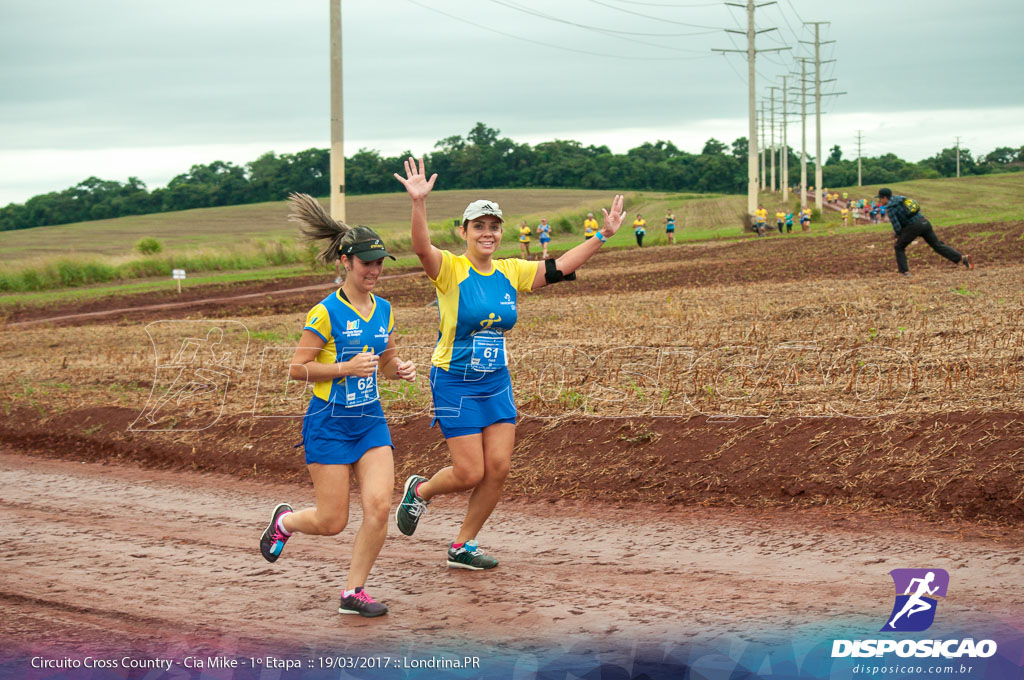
x: 786, y: 21
x: 738, y: 75
x: 664, y: 4
x: 598, y: 29
x: 544, y: 44
x: 648, y: 16
x: 797, y: 14
x: 733, y: 42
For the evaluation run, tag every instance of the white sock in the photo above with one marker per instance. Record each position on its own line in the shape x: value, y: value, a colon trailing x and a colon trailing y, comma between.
x: 350, y: 593
x: 280, y: 524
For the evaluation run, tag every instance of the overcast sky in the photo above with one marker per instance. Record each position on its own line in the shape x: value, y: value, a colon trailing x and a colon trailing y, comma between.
x: 114, y: 88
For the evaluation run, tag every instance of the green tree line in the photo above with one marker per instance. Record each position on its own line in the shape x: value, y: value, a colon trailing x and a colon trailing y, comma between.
x: 842, y: 172
x: 482, y: 159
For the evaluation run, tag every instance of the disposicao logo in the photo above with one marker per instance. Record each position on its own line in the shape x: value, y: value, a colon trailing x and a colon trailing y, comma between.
x: 917, y: 593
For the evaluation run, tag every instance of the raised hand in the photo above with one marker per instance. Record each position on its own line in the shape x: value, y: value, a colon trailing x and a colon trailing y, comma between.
x: 613, y: 219
x: 415, y: 180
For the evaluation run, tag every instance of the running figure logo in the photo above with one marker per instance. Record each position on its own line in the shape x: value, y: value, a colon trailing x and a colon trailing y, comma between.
x: 490, y: 321
x: 917, y: 591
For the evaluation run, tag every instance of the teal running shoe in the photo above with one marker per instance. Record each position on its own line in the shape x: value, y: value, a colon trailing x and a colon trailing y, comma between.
x: 273, y: 539
x: 470, y: 556
x: 411, y: 507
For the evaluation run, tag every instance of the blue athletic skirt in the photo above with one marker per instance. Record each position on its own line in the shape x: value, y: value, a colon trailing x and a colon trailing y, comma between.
x: 469, y: 401
x: 335, y: 435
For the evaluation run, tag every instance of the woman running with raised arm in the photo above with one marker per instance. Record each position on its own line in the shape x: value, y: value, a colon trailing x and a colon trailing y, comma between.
x: 345, y: 342
x: 469, y: 374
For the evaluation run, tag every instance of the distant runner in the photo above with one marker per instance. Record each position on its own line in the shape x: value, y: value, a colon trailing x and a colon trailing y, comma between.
x: 805, y: 219
x: 908, y: 222
x: 639, y: 229
x: 524, y: 239
x: 760, y: 218
x: 544, y: 232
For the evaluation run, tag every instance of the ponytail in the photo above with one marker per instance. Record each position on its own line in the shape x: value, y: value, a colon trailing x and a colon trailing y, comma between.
x: 316, y: 225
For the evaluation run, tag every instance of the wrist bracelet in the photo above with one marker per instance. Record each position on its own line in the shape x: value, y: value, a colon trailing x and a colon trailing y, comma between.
x: 601, y: 237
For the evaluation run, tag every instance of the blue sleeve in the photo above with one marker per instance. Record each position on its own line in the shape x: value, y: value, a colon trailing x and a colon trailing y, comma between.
x: 894, y: 213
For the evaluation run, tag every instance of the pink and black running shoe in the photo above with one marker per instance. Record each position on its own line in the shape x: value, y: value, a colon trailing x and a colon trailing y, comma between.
x: 273, y: 540
x: 361, y: 603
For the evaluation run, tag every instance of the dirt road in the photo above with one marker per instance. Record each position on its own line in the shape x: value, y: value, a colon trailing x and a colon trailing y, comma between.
x: 103, y: 556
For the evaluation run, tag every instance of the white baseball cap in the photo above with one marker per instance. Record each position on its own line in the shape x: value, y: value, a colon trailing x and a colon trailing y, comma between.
x: 480, y: 208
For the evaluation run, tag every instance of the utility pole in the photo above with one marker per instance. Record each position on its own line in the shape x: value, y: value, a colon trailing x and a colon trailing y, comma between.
x: 818, y: 198
x: 772, y: 147
x: 751, y: 53
x: 803, y: 132
x: 764, y: 178
x: 785, y: 143
x: 860, y: 182
x: 337, y: 113
x: 958, y: 157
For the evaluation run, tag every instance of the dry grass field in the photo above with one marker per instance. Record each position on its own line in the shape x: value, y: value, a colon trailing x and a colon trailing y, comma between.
x: 232, y: 225
x: 770, y: 371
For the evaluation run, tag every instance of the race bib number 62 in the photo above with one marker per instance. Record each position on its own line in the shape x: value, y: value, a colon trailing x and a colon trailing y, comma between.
x: 359, y: 391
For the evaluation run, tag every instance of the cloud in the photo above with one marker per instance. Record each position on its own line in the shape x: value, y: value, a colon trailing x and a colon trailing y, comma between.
x: 94, y: 88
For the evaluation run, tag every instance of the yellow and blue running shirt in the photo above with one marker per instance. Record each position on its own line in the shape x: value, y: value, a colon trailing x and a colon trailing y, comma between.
x: 346, y: 333
x: 475, y: 310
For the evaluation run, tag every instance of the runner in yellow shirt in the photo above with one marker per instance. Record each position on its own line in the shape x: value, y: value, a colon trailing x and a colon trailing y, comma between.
x: 589, y: 226
x: 845, y: 212
x: 524, y: 240
x: 760, y: 217
x: 780, y: 220
x: 639, y: 229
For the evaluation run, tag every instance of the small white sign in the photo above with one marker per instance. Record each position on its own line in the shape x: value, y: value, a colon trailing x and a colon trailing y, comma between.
x: 178, y: 273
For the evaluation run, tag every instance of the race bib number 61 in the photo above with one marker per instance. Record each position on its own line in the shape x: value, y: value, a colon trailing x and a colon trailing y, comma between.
x: 488, y: 351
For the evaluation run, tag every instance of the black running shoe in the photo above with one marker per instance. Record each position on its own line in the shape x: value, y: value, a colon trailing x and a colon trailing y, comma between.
x: 361, y: 603
x: 470, y: 556
x: 273, y: 539
x: 407, y: 514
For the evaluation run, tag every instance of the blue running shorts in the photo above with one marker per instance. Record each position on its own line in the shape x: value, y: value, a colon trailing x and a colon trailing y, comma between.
x: 467, y: 403
x: 335, y: 435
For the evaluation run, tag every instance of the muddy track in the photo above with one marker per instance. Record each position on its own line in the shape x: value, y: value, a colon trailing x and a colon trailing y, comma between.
x: 112, y: 556
x: 794, y: 462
